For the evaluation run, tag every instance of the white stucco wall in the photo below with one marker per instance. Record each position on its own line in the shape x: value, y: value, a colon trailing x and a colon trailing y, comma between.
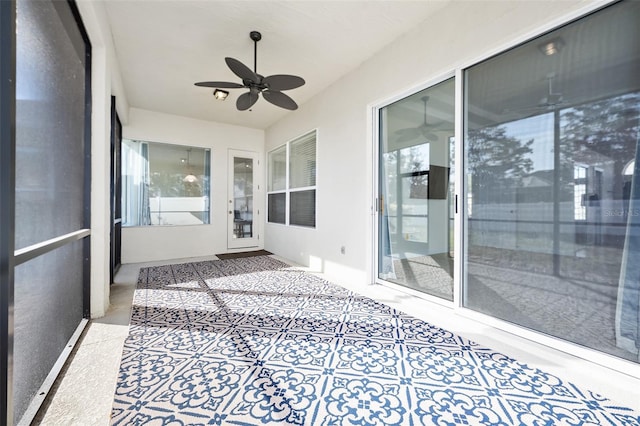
x: 457, y: 35
x: 143, y: 244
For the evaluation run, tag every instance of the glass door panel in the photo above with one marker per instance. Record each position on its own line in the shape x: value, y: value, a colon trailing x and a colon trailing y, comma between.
x: 241, y: 232
x: 415, y: 221
x: 553, y: 221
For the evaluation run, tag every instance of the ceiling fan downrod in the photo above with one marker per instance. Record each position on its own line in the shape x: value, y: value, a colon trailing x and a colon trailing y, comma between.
x: 256, y: 37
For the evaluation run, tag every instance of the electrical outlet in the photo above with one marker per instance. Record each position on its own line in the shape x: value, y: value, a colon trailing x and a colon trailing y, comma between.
x: 343, y: 249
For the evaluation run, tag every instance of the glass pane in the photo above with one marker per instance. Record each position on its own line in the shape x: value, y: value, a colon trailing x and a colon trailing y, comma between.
x: 277, y: 211
x: 135, y: 183
x: 416, y: 162
x: 302, y: 161
x: 414, y: 175
x: 164, y: 184
x: 48, y: 309
x: 50, y: 113
x: 302, y: 211
x: 242, y: 197
x: 278, y: 169
x: 552, y: 197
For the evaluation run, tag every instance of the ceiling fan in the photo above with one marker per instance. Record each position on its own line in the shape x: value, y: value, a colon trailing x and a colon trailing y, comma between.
x: 271, y: 87
x: 423, y: 130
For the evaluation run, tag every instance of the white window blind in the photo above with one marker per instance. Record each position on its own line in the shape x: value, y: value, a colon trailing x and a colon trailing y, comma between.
x: 302, y: 161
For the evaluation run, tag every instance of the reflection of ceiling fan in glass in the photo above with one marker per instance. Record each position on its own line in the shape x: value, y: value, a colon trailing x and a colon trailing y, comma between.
x: 553, y: 99
x: 549, y: 102
x: 424, y: 130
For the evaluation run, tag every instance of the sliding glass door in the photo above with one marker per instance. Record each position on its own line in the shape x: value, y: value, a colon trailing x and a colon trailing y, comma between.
x: 415, y: 208
x: 552, y: 140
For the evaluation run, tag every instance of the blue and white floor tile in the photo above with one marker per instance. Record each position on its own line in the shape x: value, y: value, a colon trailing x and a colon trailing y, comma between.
x: 255, y: 342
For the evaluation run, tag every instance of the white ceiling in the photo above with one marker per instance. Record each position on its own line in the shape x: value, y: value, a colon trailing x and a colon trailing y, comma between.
x: 164, y: 47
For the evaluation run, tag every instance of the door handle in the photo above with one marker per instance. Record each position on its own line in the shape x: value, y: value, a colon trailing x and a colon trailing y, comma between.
x: 230, y: 212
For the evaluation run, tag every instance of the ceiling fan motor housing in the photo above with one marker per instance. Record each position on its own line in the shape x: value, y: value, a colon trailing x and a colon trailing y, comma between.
x: 255, y: 35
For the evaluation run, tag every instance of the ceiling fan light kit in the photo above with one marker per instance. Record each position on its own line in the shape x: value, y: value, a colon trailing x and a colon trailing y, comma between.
x: 270, y: 87
x: 220, y: 95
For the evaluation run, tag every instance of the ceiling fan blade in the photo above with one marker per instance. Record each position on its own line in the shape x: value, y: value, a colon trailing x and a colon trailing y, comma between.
x: 429, y: 136
x: 280, y: 99
x: 440, y: 125
x: 246, y: 100
x: 220, y: 84
x: 408, y: 134
x: 283, y: 82
x: 241, y: 70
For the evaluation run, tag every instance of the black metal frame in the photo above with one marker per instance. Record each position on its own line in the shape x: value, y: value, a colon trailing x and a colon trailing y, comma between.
x: 7, y: 201
x: 86, y: 249
x: 8, y: 255
x: 116, y: 192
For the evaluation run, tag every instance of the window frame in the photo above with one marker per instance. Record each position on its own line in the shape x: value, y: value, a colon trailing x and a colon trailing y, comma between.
x: 188, y: 168
x: 288, y: 190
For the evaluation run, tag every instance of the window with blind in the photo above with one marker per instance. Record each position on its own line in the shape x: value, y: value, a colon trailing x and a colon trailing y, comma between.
x: 292, y: 182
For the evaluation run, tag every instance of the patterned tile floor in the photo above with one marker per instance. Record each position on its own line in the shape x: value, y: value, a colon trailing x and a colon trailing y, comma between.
x: 254, y: 342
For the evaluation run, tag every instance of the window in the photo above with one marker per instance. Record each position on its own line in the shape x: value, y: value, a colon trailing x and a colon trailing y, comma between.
x: 292, y: 182
x: 549, y: 137
x: 579, y: 192
x: 164, y: 184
